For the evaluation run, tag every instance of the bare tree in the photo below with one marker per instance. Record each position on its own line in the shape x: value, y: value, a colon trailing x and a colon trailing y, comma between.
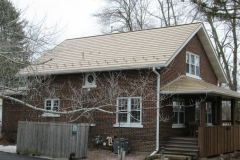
x: 125, y: 15
x: 225, y: 36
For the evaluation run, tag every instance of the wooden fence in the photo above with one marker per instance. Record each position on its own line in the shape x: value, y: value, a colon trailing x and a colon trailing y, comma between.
x: 52, y: 139
x: 214, y: 140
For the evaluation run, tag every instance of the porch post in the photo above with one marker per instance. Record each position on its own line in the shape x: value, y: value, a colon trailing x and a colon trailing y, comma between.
x: 203, y: 114
x: 233, y: 110
x: 219, y: 110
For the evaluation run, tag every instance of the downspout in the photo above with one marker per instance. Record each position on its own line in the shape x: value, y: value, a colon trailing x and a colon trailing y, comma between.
x: 158, y: 110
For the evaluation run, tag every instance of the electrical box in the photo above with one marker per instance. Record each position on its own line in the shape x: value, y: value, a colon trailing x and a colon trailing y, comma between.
x: 121, y: 143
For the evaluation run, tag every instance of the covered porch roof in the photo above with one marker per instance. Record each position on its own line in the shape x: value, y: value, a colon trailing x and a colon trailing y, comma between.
x: 188, y: 85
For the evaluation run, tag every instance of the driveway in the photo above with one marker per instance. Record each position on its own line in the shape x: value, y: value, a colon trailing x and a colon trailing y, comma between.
x: 10, y: 156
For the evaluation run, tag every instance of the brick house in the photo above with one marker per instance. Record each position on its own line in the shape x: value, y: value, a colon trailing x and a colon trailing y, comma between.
x: 180, y: 58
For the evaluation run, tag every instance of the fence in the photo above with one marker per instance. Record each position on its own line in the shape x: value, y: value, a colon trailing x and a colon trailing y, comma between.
x: 52, y: 139
x: 214, y: 140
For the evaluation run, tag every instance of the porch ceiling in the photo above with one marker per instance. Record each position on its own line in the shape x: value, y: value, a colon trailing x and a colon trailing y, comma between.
x: 188, y: 85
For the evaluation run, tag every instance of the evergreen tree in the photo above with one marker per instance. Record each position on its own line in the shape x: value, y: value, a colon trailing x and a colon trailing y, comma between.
x: 13, y: 55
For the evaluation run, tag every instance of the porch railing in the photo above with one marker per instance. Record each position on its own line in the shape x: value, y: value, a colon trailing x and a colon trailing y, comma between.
x: 228, y: 122
x: 214, y: 140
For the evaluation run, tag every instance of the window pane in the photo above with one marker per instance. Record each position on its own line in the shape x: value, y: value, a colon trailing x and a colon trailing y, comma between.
x: 209, y: 118
x: 175, y: 118
x: 56, y: 103
x: 197, y: 71
x: 175, y: 109
x: 55, y: 108
x: 192, y: 69
x: 193, y: 59
x: 122, y: 117
x: 135, y: 105
x: 135, y: 116
x: 48, y: 103
x: 48, y: 108
x: 181, y: 117
x: 187, y: 58
x: 181, y: 108
x: 122, y: 104
x: 197, y: 61
x: 187, y: 67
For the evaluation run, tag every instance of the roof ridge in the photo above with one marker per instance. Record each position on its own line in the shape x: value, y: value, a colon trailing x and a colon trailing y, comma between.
x: 135, y: 31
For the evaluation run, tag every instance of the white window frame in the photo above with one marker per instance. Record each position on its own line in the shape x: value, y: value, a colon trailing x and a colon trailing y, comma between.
x: 129, y: 123
x: 208, y: 112
x: 179, y: 125
x: 87, y: 83
x: 52, y: 106
x: 195, y: 64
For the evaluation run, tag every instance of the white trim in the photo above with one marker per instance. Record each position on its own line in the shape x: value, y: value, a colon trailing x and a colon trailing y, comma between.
x: 179, y: 100
x: 193, y: 76
x: 87, y: 84
x: 214, y: 51
x: 93, y: 70
x: 183, y: 45
x: 128, y: 123
x: 179, y: 126
x: 50, y: 115
x: 52, y: 103
x: 131, y: 125
x: 200, y: 91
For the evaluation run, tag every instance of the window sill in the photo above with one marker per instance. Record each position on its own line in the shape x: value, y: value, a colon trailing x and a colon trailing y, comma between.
x: 209, y: 124
x: 90, y: 86
x: 131, y: 125
x: 179, y: 126
x: 50, y: 115
x: 193, y: 76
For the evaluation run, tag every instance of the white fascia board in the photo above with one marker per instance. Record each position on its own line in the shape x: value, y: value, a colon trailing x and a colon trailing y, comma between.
x: 214, y: 51
x: 200, y: 92
x: 95, y: 70
x: 183, y: 45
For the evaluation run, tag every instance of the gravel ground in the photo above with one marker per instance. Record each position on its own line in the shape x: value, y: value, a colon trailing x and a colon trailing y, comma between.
x: 100, y: 154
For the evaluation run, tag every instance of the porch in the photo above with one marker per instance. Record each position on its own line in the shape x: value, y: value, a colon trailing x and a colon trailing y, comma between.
x: 215, y: 136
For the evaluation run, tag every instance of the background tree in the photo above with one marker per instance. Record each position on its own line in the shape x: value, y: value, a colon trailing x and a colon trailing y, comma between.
x: 125, y: 15
x: 224, y: 23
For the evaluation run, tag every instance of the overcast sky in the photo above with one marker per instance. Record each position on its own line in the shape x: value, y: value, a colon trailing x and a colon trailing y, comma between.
x: 72, y: 15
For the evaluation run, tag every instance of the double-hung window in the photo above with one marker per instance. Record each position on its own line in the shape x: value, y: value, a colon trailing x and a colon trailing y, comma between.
x: 192, y: 64
x: 129, y: 112
x: 178, y: 113
x: 52, y: 105
x: 209, y: 113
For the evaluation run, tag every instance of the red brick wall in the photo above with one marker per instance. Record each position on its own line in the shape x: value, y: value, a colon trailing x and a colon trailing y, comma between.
x: 178, y: 66
x: 142, y: 139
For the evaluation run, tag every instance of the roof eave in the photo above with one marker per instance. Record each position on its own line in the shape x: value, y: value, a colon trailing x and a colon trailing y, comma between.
x: 95, y: 70
x: 202, y: 92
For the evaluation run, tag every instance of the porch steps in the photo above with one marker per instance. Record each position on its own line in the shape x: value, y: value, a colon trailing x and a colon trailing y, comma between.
x: 182, y: 146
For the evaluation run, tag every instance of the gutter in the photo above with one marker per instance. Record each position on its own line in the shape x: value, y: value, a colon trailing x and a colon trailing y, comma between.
x: 158, y: 111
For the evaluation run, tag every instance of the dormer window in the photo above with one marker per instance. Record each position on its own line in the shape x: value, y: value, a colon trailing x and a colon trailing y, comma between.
x: 192, y: 64
x: 90, y: 80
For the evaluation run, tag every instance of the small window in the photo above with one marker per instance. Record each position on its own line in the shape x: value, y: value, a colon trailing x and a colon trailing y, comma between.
x: 90, y: 80
x: 178, y: 112
x: 131, y: 113
x: 209, y: 113
x: 192, y: 64
x: 52, y: 104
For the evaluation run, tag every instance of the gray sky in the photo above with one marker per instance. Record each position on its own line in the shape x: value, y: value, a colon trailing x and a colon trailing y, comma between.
x: 72, y: 15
